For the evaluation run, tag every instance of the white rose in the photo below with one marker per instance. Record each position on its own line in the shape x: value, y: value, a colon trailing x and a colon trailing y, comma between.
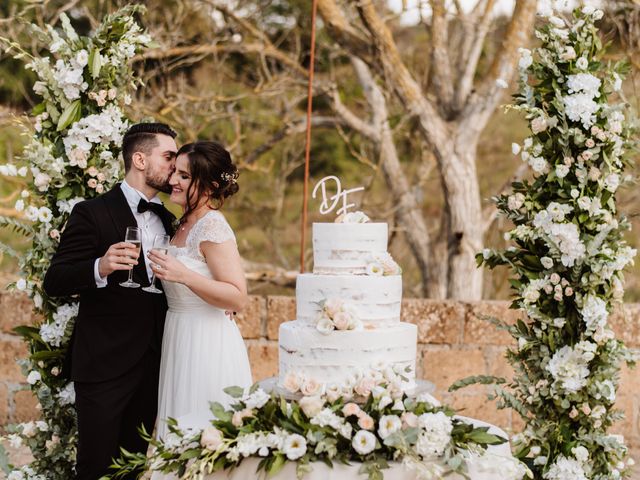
x: 582, y: 63
x: 562, y: 171
x: 33, y: 377
x: 546, y: 262
x: 388, y: 425
x: 515, y: 201
x: 29, y: 429
x: 539, y: 124
x: 295, y: 446
x: 311, y: 405
x: 375, y: 269
x: 364, y: 442
x: 568, y: 54
x: 325, y: 325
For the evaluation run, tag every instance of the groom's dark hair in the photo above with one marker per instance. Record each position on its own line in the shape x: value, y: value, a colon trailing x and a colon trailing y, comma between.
x: 141, y: 137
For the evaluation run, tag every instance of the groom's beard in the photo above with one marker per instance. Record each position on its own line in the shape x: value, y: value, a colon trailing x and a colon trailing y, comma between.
x: 157, y: 181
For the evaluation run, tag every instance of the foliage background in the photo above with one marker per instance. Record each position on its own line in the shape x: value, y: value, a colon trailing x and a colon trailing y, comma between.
x: 230, y: 97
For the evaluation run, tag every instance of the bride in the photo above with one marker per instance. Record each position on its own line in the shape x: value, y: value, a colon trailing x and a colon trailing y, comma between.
x: 202, y: 349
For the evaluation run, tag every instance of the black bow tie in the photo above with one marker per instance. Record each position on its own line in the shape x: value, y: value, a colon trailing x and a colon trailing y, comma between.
x: 156, y: 208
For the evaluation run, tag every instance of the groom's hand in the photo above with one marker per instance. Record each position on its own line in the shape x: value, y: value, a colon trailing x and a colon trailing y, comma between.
x: 120, y: 256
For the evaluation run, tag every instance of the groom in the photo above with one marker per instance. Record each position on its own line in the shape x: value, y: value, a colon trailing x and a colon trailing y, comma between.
x: 115, y: 348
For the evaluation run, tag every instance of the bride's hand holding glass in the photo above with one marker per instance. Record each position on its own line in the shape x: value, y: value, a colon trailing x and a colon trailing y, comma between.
x: 167, y: 267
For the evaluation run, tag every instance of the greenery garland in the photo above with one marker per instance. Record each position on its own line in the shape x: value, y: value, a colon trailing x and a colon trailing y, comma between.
x: 568, y: 254
x: 328, y: 428
x: 73, y: 155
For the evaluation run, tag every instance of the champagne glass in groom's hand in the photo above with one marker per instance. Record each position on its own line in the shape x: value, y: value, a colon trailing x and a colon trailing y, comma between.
x: 160, y: 243
x: 133, y: 236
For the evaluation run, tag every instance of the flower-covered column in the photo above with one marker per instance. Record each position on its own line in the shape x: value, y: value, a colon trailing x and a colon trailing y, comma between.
x: 567, y: 254
x: 73, y: 155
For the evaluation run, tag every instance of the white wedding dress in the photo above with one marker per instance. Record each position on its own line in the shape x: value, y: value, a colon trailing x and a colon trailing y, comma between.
x: 202, y: 349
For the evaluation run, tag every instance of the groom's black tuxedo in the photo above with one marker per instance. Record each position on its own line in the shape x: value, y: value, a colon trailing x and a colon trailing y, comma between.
x: 115, y: 349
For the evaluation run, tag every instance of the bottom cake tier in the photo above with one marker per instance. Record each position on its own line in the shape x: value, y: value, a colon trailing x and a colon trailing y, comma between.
x: 344, y: 358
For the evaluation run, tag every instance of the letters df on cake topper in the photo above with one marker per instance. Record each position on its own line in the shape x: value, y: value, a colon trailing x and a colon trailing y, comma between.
x: 330, y: 202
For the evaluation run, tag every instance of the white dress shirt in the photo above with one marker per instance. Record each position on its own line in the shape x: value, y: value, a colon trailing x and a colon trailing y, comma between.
x: 149, y: 223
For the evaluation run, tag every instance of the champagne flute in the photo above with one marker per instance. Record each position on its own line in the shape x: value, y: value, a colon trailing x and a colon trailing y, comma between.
x: 161, y: 244
x: 133, y: 235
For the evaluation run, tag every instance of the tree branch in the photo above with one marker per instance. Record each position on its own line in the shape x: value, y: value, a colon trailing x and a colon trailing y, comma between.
x: 517, y: 35
x: 291, y: 128
x: 470, y: 58
x: 441, y: 67
x: 405, y: 86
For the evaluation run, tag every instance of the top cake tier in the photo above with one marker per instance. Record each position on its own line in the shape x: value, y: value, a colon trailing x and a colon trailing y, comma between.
x: 340, y: 248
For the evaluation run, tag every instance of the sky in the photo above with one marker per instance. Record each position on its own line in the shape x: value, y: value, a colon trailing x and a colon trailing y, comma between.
x: 412, y: 15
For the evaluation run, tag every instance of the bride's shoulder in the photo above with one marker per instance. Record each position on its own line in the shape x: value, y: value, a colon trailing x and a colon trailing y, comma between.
x: 213, y: 226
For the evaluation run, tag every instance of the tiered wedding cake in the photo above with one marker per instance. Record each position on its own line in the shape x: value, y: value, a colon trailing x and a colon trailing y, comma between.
x: 347, y: 336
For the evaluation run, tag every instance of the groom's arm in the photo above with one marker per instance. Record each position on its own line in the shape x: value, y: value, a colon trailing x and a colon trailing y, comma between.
x: 72, y: 267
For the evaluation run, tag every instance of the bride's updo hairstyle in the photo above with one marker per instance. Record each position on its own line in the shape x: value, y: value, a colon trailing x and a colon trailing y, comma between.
x: 213, y: 174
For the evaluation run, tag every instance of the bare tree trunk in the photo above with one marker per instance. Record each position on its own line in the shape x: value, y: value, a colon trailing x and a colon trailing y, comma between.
x: 465, y: 232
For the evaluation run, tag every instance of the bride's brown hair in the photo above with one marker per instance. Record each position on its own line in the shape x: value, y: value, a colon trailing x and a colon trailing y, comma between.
x: 212, y: 171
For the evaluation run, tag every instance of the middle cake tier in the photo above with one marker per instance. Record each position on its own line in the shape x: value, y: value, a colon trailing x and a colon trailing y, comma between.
x: 336, y: 357
x: 376, y: 300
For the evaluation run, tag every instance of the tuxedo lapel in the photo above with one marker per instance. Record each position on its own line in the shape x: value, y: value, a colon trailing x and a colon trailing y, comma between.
x: 122, y: 217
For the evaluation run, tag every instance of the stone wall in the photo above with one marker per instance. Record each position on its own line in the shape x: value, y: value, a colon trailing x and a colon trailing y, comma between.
x: 453, y: 342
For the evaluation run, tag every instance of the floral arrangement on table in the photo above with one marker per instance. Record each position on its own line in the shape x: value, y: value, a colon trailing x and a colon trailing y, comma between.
x: 335, y: 314
x: 428, y: 439
x: 72, y: 155
x: 567, y: 256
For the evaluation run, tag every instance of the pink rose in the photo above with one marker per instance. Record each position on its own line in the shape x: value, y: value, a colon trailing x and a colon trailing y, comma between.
x: 211, y: 438
x: 409, y: 420
x: 351, y: 409
x: 310, y: 387
x: 92, y: 183
x: 332, y: 306
x: 365, y: 421
x: 365, y: 386
x: 239, y: 416
x: 342, y: 320
x: 291, y: 382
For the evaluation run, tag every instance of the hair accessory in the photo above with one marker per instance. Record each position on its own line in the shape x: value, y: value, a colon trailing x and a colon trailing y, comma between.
x: 229, y: 177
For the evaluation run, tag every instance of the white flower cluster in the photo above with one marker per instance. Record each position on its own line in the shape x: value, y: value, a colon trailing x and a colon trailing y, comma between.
x: 498, y: 466
x: 565, y: 468
x: 69, y: 75
x: 570, y: 366
x: 352, y: 217
x: 25, y: 473
x: 102, y: 128
x: 382, y: 264
x: 565, y: 236
x: 435, y: 435
x: 53, y: 332
x: 67, y: 396
x: 292, y: 445
x: 594, y: 313
x: 337, y: 315
x: 256, y: 399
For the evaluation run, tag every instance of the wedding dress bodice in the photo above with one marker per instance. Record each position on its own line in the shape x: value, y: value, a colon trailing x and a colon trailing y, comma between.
x: 212, y: 227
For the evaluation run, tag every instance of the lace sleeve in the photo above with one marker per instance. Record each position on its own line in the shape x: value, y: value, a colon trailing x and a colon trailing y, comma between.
x: 213, y: 227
